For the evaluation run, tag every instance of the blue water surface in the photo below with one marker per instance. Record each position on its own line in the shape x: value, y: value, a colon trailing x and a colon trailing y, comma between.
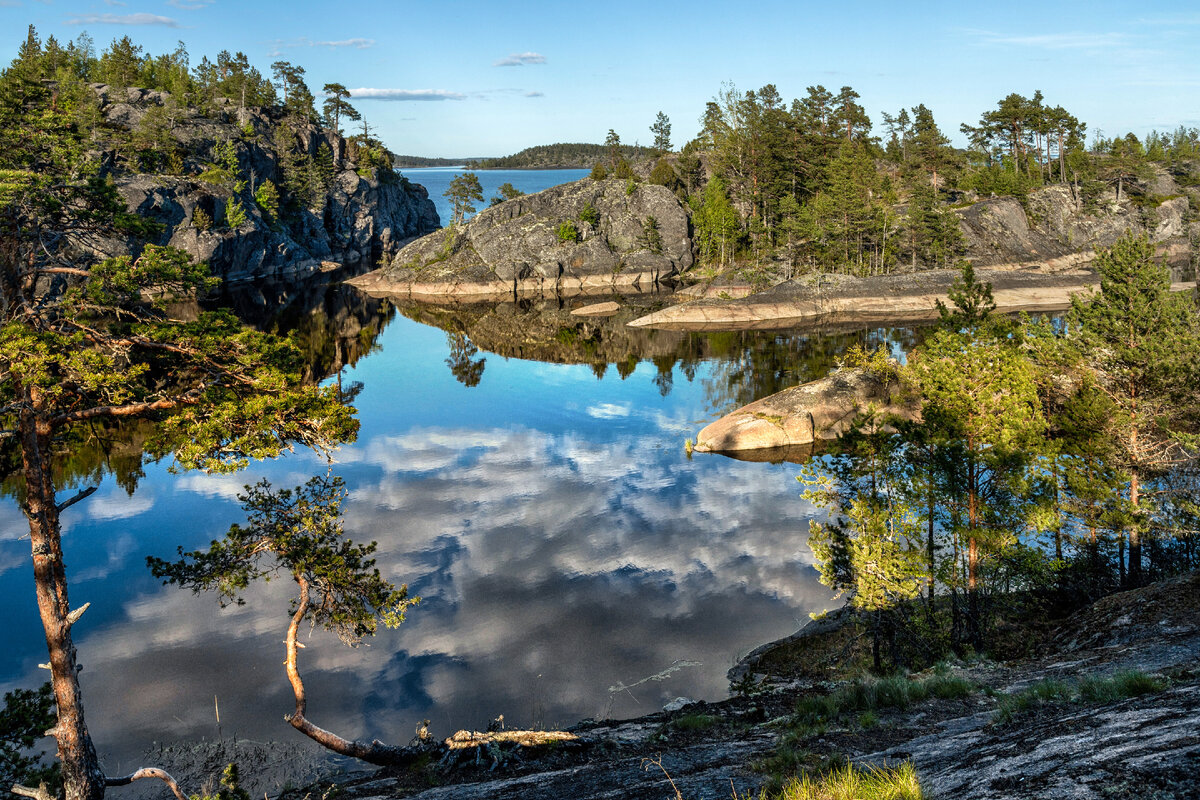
x: 437, y: 180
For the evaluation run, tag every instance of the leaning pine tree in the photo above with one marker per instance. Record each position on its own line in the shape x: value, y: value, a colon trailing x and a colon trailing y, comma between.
x: 298, y: 533
x: 87, y: 343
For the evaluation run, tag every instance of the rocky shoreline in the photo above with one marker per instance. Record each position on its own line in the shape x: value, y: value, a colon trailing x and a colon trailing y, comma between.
x: 887, y: 299
x: 585, y: 237
x: 1140, y: 746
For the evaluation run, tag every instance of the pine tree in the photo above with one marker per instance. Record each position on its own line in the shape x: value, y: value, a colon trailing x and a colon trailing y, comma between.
x: 464, y: 190
x: 86, y: 341
x: 336, y: 107
x: 299, y: 533
x: 662, y: 134
x: 120, y: 66
x: 1141, y: 340
x: 613, y: 142
x: 929, y: 147
x: 972, y: 300
x: 983, y: 393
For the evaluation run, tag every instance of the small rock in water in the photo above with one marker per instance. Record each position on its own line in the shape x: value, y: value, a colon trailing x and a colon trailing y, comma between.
x: 597, y: 310
x: 678, y: 703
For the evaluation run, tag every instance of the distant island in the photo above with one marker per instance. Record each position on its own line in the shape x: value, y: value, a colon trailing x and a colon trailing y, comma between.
x: 560, y: 156
x: 401, y: 162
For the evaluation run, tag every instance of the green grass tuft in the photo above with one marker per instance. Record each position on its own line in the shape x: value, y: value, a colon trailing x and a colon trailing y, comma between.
x: 694, y: 722
x: 872, y: 695
x: 948, y: 687
x: 1092, y: 689
x: 1118, y: 686
x: 1040, y: 694
x: 854, y: 783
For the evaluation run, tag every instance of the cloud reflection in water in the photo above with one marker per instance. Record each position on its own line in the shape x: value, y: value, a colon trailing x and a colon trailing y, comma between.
x: 562, y: 546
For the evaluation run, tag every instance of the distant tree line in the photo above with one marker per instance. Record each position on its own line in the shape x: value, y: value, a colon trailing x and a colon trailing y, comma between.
x: 558, y: 156
x: 422, y: 161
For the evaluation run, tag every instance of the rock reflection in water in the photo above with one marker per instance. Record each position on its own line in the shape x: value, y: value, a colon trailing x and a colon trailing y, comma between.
x: 743, y: 365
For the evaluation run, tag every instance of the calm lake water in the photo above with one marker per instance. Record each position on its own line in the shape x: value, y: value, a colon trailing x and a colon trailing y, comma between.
x: 523, y: 471
x: 437, y: 181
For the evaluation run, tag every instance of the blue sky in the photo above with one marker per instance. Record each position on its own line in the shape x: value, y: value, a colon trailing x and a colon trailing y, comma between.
x: 489, y: 78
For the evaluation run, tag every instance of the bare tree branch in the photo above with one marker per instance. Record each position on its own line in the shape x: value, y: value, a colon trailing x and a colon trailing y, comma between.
x: 130, y: 410
x: 83, y: 495
x: 148, y: 772
x: 40, y: 793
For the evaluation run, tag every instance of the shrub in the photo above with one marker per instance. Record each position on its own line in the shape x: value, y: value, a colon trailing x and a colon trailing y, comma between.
x: 664, y: 175
x: 235, y: 215
x: 267, y: 198
x: 599, y: 172
x: 651, y: 237
x: 567, y: 232
x: 589, y: 214
x: 201, y: 221
x: 217, y: 176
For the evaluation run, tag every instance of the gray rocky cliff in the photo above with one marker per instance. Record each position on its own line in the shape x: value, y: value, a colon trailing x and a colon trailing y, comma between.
x: 1054, y: 228
x: 360, y: 214
x: 576, y: 237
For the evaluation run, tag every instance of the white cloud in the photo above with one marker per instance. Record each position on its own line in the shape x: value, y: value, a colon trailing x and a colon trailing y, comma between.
x: 227, y: 487
x: 520, y: 60
x: 357, y: 44
x: 608, y: 411
x: 404, y: 95
x: 123, y: 19
x: 1056, y: 41
x: 119, y: 505
x: 535, y: 94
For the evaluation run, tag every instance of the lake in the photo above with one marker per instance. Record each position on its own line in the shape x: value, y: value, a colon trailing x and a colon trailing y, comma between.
x: 437, y: 181
x: 522, y: 470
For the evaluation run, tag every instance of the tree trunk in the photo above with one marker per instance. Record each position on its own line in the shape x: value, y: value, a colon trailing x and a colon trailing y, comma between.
x: 932, y: 555
x: 1122, y: 575
x: 973, y: 630
x: 374, y: 752
x: 875, y: 635
x: 1135, y: 538
x: 82, y: 778
x: 1062, y: 169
